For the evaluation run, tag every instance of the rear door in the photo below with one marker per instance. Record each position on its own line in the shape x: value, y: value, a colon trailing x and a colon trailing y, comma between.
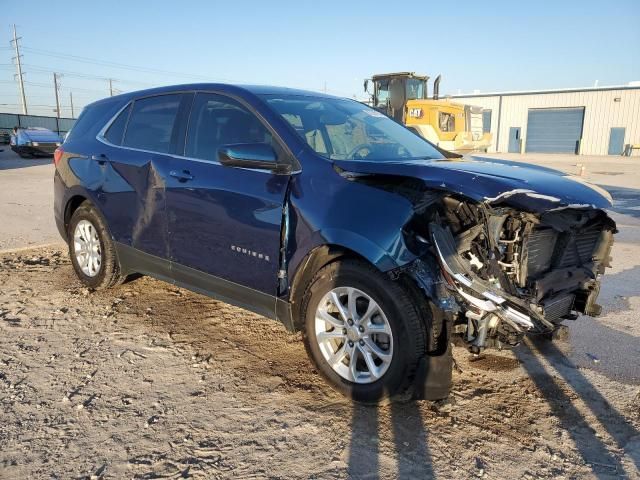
x: 136, y: 169
x: 224, y: 221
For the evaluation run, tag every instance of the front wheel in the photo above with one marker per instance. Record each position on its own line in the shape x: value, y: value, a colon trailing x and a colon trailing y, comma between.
x: 363, y: 331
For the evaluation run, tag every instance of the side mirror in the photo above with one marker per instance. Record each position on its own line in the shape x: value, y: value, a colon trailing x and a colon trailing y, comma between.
x: 366, y: 86
x: 255, y: 156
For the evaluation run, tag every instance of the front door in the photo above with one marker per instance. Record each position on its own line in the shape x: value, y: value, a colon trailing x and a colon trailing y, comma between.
x: 514, y: 140
x: 224, y: 221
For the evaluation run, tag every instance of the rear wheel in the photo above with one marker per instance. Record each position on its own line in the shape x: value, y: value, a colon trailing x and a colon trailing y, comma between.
x: 363, y: 331
x: 91, y: 249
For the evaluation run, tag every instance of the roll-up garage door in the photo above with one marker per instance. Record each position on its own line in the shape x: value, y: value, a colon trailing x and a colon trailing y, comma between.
x: 554, y: 130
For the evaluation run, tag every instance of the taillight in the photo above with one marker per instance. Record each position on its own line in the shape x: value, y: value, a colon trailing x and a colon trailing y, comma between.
x: 57, y: 155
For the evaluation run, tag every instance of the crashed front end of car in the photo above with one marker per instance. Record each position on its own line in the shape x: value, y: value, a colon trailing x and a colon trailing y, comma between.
x: 514, y: 272
x: 504, y: 249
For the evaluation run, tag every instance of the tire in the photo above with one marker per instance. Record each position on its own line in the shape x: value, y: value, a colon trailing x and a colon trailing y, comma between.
x: 108, y: 273
x: 407, y: 344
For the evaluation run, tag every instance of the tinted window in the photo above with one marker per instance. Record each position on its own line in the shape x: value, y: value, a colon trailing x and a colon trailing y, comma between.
x: 116, y: 130
x: 217, y: 120
x: 151, y: 123
x: 92, y: 119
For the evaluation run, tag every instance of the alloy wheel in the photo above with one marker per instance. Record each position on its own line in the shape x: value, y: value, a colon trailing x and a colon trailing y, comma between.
x: 86, y: 247
x: 354, y: 335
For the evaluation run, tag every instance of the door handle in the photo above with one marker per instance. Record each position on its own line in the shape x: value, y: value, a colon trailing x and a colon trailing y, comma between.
x: 182, y: 176
x: 101, y: 159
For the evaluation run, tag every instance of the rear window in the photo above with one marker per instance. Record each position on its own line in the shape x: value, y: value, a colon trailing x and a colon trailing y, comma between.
x: 151, y: 123
x: 116, y: 130
x: 92, y: 119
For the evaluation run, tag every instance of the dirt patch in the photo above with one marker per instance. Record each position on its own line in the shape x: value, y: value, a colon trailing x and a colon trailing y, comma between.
x: 494, y: 363
x: 147, y: 381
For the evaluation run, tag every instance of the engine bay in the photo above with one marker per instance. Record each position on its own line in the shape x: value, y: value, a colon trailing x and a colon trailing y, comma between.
x: 510, y: 272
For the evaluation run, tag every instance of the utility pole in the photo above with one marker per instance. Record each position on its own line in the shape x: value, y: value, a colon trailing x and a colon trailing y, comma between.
x: 110, y: 88
x: 55, y: 87
x: 71, y: 99
x: 19, y: 65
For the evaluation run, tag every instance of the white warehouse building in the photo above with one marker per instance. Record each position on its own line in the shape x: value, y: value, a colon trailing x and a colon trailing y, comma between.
x: 586, y: 121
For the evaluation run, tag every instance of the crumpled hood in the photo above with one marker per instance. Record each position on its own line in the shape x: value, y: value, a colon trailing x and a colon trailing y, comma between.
x: 524, y: 186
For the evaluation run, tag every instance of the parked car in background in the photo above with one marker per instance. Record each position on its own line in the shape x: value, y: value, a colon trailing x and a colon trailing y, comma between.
x: 34, y: 141
x: 5, y: 136
x: 331, y: 217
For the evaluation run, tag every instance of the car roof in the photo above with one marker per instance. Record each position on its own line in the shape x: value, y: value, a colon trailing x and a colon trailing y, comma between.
x: 36, y: 129
x: 219, y: 87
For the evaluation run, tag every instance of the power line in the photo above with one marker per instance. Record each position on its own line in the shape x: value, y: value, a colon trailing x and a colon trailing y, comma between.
x: 39, y: 70
x: 44, y: 85
x: 33, y: 105
x: 95, y: 61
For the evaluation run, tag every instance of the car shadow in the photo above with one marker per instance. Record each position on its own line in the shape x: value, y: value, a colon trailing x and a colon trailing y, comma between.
x: 625, y: 200
x: 10, y: 161
x: 410, y: 442
x: 591, y: 447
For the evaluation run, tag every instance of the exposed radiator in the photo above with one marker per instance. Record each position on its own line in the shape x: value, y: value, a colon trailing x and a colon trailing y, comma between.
x: 579, y: 249
x: 541, y: 246
x: 547, y: 249
x: 556, y: 308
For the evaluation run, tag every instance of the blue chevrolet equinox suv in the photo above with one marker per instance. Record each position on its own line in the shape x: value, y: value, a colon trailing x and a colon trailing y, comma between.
x: 332, y: 218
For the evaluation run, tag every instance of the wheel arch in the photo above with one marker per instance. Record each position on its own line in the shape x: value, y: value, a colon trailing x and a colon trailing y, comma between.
x: 73, y: 203
x: 316, y: 259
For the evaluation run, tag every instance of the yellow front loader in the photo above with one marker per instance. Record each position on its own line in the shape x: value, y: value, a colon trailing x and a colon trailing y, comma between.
x: 449, y: 125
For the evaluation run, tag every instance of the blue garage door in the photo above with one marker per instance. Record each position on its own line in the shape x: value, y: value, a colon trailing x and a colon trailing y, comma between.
x: 554, y: 130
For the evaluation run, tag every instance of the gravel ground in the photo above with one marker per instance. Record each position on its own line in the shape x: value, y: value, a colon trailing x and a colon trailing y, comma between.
x: 150, y: 381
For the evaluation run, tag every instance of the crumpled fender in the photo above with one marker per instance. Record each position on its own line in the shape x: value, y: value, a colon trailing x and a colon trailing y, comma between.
x: 352, y: 215
x: 392, y: 255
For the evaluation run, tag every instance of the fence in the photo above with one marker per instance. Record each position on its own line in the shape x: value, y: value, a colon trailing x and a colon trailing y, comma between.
x: 59, y: 125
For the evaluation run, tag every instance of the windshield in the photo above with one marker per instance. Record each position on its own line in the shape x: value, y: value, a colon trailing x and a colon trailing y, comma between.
x: 342, y: 129
x: 415, y: 89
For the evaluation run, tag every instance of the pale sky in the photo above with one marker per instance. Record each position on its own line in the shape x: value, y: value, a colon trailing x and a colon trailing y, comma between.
x: 485, y: 46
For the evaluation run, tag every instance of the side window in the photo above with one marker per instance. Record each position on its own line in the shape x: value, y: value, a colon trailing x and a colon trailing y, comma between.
x: 151, y: 123
x: 447, y: 122
x: 383, y: 93
x: 216, y: 121
x: 116, y: 130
